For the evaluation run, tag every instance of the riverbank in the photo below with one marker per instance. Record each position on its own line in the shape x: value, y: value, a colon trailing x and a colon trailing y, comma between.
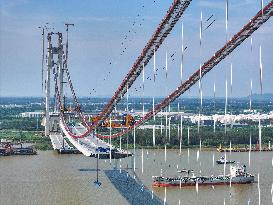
x: 41, y: 142
x: 37, y: 138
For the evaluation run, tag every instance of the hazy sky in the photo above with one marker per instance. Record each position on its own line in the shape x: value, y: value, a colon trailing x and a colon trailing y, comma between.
x: 98, y: 35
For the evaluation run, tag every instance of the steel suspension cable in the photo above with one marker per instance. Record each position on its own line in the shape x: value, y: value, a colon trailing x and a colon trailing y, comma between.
x: 261, y: 17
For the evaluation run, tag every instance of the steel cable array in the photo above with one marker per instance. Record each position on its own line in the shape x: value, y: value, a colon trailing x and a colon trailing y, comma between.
x: 261, y: 17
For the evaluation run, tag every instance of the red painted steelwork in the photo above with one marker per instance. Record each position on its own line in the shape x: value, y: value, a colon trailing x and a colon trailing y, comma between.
x: 261, y: 17
x: 174, y: 13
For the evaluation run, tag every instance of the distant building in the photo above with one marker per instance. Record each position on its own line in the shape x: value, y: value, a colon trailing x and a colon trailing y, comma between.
x: 236, y: 124
x: 32, y: 114
x: 207, y: 122
x: 5, y: 141
x: 249, y: 111
x: 157, y: 127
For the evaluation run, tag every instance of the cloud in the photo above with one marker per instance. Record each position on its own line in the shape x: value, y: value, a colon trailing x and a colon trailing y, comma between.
x: 212, y: 5
x: 90, y: 19
x: 241, y: 3
x: 266, y: 29
x: 221, y: 4
x: 7, y: 5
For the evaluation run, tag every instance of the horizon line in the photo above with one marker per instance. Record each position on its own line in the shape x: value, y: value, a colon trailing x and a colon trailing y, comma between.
x: 108, y: 96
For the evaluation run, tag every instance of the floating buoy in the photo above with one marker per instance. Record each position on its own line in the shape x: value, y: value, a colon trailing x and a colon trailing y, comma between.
x: 97, y: 183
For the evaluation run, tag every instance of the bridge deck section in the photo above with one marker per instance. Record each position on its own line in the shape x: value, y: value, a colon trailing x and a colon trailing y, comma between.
x: 92, y: 146
x: 58, y: 142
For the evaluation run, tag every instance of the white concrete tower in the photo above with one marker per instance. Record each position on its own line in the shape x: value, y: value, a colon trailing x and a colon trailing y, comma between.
x: 47, y: 101
x: 60, y: 67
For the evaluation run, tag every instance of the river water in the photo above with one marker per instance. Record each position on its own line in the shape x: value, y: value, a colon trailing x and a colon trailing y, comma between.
x: 50, y: 178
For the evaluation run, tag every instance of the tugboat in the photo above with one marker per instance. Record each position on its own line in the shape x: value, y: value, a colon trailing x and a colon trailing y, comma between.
x: 4, y: 152
x: 238, y: 175
x: 222, y: 160
x: 5, y: 148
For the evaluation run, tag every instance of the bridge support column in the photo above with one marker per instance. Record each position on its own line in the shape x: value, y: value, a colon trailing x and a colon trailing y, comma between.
x: 47, y: 101
x: 60, y: 68
x: 132, y: 165
x: 115, y: 164
x: 97, y: 182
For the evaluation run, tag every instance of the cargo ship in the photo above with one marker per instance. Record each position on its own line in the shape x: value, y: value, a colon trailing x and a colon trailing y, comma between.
x: 238, y: 175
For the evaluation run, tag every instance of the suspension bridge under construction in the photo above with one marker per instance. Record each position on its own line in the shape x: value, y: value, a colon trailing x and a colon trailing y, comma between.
x: 143, y: 102
x: 83, y: 135
x: 72, y: 130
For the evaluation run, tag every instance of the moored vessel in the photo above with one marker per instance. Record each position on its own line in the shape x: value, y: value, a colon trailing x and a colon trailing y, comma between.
x: 238, y: 175
x: 256, y: 148
x: 223, y: 160
x: 7, y: 148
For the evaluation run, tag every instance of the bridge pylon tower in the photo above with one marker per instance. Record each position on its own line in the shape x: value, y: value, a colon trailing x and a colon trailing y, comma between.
x: 53, y: 63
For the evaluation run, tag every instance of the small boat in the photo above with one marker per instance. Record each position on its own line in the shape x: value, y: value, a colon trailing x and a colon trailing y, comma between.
x: 238, y: 175
x: 222, y: 160
x: 188, y: 171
